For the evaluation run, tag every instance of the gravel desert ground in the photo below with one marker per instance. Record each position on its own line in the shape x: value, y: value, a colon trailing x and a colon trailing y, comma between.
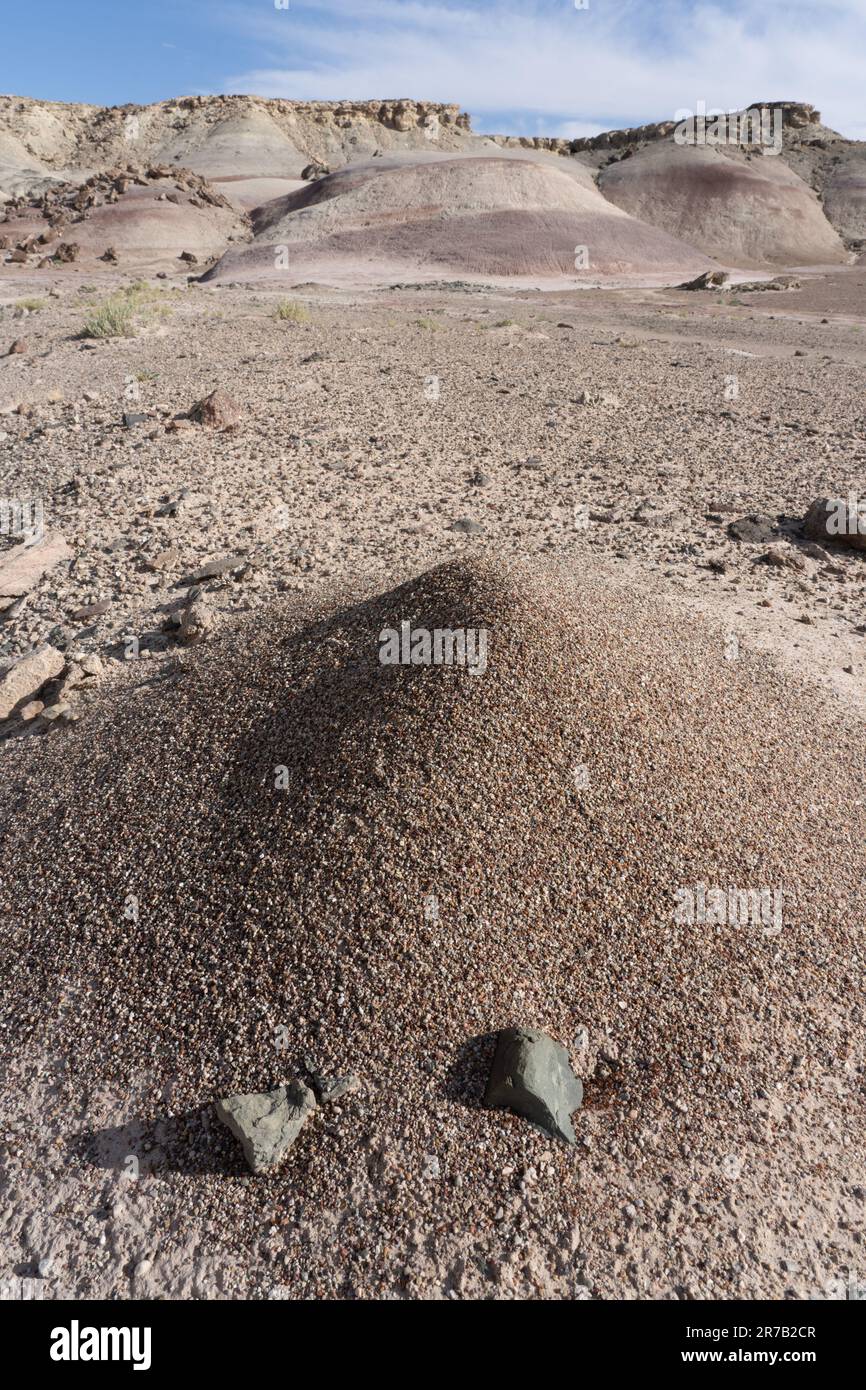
x: 237, y: 848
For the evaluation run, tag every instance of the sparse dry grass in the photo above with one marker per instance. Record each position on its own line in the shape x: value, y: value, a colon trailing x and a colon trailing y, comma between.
x: 124, y: 312
x: 290, y: 311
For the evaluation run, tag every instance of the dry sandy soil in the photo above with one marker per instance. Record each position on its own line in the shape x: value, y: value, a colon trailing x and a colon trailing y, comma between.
x: 602, y: 442
x: 367, y: 431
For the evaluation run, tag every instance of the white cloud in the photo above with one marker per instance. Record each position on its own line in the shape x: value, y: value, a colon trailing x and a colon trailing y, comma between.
x: 546, y: 62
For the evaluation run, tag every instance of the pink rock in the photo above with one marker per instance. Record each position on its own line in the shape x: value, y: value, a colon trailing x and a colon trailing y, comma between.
x: 27, y: 676
x: 22, y: 568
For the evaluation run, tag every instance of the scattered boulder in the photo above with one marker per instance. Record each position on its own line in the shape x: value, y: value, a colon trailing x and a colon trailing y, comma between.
x: 91, y: 610
x: 315, y: 171
x: 59, y: 710
x: 91, y: 666
x: 531, y: 1074
x: 467, y: 527
x: 214, y: 568
x: 218, y: 411
x: 80, y: 676
x: 709, y: 280
x: 189, y: 257
x: 67, y: 251
x: 753, y: 529
x: 22, y: 568
x: 782, y: 557
x: 328, y: 1088
x: 196, y: 619
x: 838, y: 519
x: 19, y: 347
x: 779, y: 282
x: 268, y: 1123
x: 109, y: 255
x: 26, y: 677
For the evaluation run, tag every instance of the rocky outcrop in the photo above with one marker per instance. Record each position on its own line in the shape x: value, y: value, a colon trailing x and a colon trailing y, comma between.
x: 44, y: 142
x: 796, y: 115
x: 116, y: 215
x: 228, y: 140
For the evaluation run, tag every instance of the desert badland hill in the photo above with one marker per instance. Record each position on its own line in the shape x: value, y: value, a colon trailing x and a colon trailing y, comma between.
x: 382, y: 188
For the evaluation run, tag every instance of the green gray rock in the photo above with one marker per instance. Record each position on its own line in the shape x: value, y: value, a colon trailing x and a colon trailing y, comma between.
x: 531, y: 1074
x: 328, y: 1088
x: 268, y: 1123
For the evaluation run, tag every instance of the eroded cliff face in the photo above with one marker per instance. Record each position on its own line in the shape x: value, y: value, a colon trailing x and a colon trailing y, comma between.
x: 798, y: 118
x: 255, y: 147
x: 215, y: 135
x: 222, y: 136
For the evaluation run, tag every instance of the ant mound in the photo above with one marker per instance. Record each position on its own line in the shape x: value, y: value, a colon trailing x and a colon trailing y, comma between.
x: 288, y: 855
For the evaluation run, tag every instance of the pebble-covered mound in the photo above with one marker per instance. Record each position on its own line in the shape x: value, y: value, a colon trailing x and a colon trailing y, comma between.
x: 479, y: 214
x: 368, y: 868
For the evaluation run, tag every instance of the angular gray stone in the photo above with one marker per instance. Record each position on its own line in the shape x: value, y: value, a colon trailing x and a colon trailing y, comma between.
x: 268, y: 1122
x: 531, y: 1074
x: 329, y: 1088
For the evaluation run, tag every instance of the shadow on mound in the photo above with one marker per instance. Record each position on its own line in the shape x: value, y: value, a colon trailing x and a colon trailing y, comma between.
x: 466, y: 1078
x: 192, y: 1142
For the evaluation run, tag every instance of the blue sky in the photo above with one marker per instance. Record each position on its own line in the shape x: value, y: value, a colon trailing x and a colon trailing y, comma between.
x: 519, y: 66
